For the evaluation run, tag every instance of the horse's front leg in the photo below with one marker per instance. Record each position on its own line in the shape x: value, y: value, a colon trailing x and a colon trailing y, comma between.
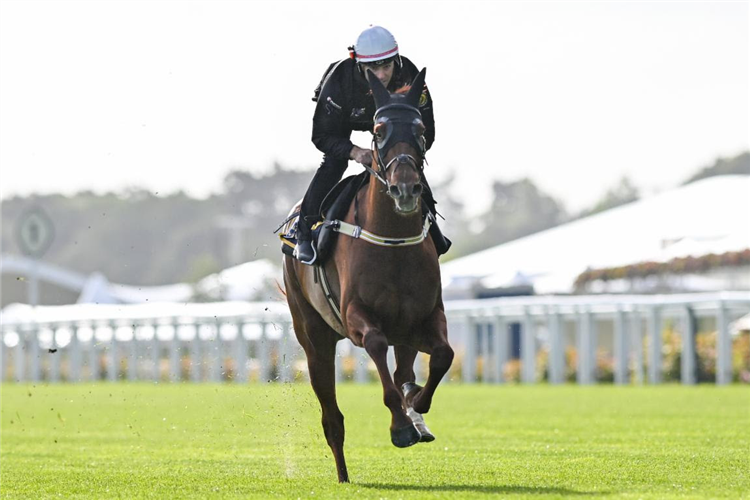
x: 362, y: 327
x: 434, y: 341
x: 405, y: 356
x: 405, y: 378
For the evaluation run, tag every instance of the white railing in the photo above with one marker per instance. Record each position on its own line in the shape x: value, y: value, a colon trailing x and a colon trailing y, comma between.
x: 243, y: 342
x: 620, y: 321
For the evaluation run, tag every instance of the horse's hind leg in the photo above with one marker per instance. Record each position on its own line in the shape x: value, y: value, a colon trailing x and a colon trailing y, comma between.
x: 319, y: 342
x: 403, y: 432
x: 321, y: 364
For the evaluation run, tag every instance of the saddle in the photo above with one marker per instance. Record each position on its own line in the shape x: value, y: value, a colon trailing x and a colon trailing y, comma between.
x: 334, y: 207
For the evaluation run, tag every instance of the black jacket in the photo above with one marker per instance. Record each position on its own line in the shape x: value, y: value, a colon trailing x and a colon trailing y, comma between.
x: 345, y: 103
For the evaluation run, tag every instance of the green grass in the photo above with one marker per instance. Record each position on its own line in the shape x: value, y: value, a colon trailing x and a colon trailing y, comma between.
x: 227, y: 441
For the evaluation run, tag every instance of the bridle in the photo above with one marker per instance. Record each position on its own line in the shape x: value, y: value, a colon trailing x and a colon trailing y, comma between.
x: 381, y: 173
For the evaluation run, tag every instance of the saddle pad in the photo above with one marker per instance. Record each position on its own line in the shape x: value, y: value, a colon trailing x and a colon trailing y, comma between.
x: 335, y: 206
x: 288, y: 234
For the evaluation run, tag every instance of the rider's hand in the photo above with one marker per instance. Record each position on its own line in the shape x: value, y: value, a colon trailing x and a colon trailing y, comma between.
x: 363, y: 156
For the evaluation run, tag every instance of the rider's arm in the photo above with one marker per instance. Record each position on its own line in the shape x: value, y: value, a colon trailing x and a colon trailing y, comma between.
x: 331, y: 131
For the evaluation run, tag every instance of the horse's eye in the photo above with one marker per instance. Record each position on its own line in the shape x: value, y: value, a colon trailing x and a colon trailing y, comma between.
x: 419, y: 128
x: 379, y: 130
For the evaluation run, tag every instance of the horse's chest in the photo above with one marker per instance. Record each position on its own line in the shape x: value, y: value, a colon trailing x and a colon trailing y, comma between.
x: 400, y: 303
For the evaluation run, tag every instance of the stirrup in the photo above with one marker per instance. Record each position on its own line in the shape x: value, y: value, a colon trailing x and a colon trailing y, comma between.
x: 305, y: 252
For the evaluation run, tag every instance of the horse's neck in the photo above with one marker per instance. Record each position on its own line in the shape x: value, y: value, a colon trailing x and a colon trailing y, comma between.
x: 379, y: 216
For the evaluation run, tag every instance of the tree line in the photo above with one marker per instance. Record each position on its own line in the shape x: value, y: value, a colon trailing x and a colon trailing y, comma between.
x: 138, y: 237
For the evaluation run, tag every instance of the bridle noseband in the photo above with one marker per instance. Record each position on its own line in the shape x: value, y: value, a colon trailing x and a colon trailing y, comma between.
x: 381, y: 173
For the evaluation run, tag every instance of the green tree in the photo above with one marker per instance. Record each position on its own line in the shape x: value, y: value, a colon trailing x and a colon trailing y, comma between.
x: 739, y: 164
x: 622, y: 193
x: 518, y: 209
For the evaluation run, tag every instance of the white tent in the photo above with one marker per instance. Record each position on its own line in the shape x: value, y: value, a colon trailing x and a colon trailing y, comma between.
x: 708, y: 216
x: 256, y: 280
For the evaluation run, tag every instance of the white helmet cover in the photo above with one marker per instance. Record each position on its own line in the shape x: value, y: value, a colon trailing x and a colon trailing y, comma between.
x: 375, y: 44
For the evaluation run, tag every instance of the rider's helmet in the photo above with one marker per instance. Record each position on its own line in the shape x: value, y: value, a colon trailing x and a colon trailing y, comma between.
x: 376, y: 45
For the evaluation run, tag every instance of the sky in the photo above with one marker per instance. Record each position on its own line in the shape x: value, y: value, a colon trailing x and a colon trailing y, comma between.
x: 170, y: 95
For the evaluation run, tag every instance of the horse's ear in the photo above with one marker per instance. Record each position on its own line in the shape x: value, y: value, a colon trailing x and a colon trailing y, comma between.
x: 379, y: 92
x: 415, y: 91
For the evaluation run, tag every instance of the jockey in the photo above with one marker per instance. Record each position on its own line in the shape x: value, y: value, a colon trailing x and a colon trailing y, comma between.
x: 345, y: 103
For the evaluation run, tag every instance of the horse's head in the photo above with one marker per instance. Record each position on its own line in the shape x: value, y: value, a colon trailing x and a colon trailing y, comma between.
x: 399, y: 142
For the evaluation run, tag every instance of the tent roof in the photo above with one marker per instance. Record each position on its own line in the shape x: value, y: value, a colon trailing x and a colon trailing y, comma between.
x: 707, y: 216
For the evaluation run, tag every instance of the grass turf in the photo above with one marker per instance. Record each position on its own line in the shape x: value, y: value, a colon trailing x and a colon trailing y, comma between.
x: 265, y: 441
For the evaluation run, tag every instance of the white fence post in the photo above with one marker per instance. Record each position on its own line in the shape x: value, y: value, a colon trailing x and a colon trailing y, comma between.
x: 19, y: 373
x: 620, y: 348
x: 654, y: 345
x: 636, y: 340
x: 723, y: 346
x: 486, y: 358
x: 556, y: 347
x: 264, y: 354
x: 155, y: 354
x: 502, y: 347
x: 586, y: 351
x: 175, y: 356
x: 113, y: 355
x: 54, y: 354
x: 74, y: 355
x: 93, y: 356
x: 196, y: 355
x: 528, y: 349
x: 34, y: 354
x: 469, y: 368
x: 687, y: 359
x: 240, y: 354
x: 214, y: 352
x: 286, y: 354
x: 133, y: 348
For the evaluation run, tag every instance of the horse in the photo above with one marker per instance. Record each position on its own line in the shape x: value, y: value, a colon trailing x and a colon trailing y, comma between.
x: 382, y: 279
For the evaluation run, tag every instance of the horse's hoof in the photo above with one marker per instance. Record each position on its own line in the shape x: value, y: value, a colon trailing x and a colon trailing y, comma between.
x: 405, y: 437
x: 418, y: 420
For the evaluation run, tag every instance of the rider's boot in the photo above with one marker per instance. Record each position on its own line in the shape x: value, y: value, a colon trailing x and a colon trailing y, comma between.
x: 442, y: 243
x: 305, y: 250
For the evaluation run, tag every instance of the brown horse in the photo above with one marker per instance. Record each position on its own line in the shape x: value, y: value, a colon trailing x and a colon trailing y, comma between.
x: 384, y: 279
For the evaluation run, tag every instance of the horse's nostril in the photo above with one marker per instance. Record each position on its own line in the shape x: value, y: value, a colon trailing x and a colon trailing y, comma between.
x: 416, y: 190
x: 395, y: 191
